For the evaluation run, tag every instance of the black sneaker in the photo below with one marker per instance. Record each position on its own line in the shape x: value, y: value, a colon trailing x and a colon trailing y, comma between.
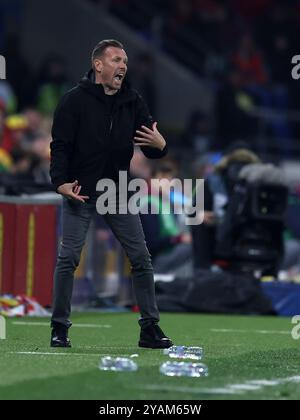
x: 59, y: 337
x: 153, y: 337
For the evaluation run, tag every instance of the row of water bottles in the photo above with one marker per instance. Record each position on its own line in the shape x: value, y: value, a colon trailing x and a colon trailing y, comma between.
x: 182, y: 368
x: 169, y: 368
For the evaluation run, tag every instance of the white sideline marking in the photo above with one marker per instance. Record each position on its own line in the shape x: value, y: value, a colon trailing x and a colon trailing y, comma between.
x: 47, y: 324
x: 273, y: 332
x: 249, y: 331
x: 245, y: 387
x: 227, y: 331
x: 263, y: 383
x: 253, y: 385
x: 191, y: 390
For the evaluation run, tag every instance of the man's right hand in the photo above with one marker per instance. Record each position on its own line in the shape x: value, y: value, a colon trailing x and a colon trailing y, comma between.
x: 71, y: 191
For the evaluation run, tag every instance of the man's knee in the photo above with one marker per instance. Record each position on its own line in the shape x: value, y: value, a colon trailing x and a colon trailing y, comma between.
x: 141, y: 260
x: 68, y: 257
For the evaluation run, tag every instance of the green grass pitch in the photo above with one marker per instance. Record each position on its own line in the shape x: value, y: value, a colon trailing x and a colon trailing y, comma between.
x: 247, y: 357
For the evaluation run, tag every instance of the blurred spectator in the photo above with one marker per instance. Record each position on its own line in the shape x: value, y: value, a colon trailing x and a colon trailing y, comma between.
x: 180, y: 15
x: 40, y: 147
x: 182, y: 37
x: 280, y: 60
x: 19, y: 74
x: 5, y: 161
x: 168, y: 243
x: 233, y: 112
x: 34, y: 124
x: 279, y: 20
x: 211, y: 16
x: 20, y: 173
x: 204, y: 165
x: 250, y: 9
x: 34, y: 120
x: 142, y: 78
x: 196, y: 136
x: 2, y: 121
x: 52, y: 83
x: 8, y: 100
x: 13, y: 132
x: 249, y: 62
x: 23, y: 175
x: 251, y: 66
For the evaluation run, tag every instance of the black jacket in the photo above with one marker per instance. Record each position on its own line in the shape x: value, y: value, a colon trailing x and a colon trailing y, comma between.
x: 87, y: 136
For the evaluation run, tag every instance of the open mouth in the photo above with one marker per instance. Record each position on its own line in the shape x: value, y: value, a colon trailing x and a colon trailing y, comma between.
x: 119, y: 77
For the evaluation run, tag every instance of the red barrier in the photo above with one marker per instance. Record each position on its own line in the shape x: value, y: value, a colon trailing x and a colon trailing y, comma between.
x: 7, y: 246
x: 28, y: 244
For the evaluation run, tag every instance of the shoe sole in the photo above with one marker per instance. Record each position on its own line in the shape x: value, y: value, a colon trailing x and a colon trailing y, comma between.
x: 60, y: 346
x: 154, y: 345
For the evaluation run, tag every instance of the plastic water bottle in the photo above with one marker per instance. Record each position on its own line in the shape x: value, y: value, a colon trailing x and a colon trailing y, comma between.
x: 118, y: 364
x: 195, y: 370
x: 184, y: 352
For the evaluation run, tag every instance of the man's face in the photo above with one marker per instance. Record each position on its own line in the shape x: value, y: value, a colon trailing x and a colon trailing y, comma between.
x: 111, y: 68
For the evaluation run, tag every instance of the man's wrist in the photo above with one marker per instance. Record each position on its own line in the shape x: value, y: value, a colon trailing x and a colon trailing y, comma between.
x: 163, y: 146
x: 57, y: 186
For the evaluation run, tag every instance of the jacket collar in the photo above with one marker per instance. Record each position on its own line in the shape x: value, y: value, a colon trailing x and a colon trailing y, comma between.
x: 87, y: 83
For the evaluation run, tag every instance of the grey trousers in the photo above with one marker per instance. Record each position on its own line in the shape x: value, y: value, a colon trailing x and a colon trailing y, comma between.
x: 128, y: 230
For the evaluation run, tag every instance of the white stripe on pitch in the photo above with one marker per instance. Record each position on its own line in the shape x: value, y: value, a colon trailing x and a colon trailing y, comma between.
x: 186, y: 389
x: 249, y: 331
x: 248, y: 386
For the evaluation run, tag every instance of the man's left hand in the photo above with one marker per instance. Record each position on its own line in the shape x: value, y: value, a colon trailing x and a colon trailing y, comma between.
x: 148, y: 137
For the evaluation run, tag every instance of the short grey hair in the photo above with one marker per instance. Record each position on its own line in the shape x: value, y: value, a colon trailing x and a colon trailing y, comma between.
x: 102, y: 46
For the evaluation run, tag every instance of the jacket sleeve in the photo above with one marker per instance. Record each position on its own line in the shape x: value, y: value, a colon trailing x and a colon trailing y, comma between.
x: 63, y: 135
x: 143, y: 117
